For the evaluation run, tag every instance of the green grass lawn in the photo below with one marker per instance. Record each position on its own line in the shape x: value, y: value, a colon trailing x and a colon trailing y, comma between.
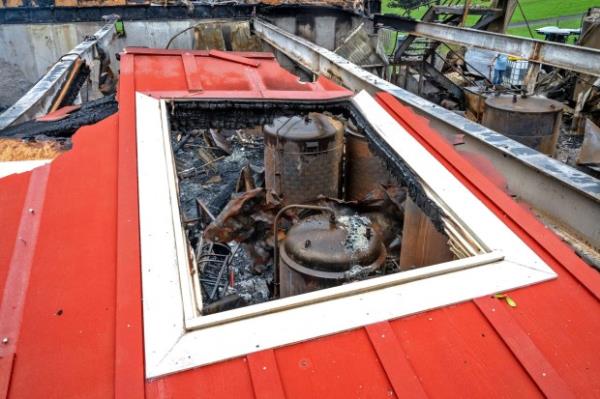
x: 534, y: 10
x: 540, y: 9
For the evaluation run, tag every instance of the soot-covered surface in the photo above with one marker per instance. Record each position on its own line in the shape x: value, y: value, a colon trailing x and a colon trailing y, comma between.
x: 219, y: 155
x: 209, y: 164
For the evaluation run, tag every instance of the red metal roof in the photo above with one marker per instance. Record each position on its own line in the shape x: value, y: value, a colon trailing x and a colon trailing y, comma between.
x: 70, y: 275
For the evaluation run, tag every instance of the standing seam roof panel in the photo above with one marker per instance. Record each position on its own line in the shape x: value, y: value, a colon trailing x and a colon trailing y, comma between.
x: 86, y: 264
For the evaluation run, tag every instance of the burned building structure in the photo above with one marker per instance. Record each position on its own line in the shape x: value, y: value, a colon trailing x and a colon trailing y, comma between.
x: 212, y: 198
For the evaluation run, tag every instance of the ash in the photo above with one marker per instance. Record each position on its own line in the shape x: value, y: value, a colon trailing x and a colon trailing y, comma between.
x: 208, y: 165
x: 356, y: 226
x: 208, y: 173
x: 251, y: 287
x: 358, y: 272
x: 568, y: 147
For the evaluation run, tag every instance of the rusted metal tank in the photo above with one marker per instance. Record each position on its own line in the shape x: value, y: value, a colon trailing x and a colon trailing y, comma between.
x: 319, y: 254
x: 303, y: 158
x: 364, y: 171
x: 533, y: 121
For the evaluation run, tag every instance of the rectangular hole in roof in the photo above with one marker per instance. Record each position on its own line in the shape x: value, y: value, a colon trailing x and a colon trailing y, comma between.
x: 236, y: 157
x: 343, y: 213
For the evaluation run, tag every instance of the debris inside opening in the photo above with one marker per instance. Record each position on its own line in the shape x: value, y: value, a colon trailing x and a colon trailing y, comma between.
x: 300, y: 179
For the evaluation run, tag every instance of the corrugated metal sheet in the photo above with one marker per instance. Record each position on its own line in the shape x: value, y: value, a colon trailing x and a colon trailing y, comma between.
x: 359, y: 49
x: 70, y: 240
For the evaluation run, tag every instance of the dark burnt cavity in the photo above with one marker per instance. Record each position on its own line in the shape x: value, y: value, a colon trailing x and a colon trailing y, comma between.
x: 89, y: 113
x: 228, y: 214
x: 401, y: 171
x: 242, y: 115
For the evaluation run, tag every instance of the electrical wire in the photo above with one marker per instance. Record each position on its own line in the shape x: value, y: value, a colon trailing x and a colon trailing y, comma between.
x: 179, y: 33
x: 525, y: 18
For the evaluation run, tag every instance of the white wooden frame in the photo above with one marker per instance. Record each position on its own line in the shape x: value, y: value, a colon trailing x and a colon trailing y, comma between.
x: 177, y: 338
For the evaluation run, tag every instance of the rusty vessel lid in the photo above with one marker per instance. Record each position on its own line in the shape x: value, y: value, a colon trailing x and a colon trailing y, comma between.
x: 314, y: 126
x: 533, y: 105
x: 319, y: 245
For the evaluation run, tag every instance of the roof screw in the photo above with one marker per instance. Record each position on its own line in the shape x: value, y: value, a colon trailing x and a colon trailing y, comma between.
x: 31, y: 210
x: 5, y: 340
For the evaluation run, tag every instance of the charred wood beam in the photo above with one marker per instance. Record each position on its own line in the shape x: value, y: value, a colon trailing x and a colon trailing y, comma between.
x: 500, y: 24
x: 543, y: 182
x: 574, y: 58
x: 39, y: 99
x: 443, y: 81
x: 401, y: 24
x: 90, y: 112
x: 486, y: 20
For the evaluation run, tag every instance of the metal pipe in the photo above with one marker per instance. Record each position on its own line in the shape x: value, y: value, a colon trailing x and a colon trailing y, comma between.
x: 276, y: 241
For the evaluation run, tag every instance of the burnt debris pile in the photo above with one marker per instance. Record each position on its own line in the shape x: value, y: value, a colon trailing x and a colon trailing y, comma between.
x: 284, y: 184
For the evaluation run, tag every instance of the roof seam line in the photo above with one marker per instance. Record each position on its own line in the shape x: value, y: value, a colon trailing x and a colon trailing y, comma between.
x: 265, y: 376
x: 539, y: 369
x: 397, y: 367
x: 19, y: 273
x: 586, y: 276
x: 129, y: 353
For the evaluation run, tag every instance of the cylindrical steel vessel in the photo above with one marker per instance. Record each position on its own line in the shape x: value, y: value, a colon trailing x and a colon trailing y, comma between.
x: 319, y: 254
x: 533, y: 121
x: 303, y: 158
x: 364, y: 170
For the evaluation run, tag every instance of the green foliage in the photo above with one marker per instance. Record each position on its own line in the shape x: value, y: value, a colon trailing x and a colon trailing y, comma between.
x: 534, y: 10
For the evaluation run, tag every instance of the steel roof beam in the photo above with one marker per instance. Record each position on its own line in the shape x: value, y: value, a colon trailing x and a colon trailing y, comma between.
x: 535, y: 178
x: 38, y: 100
x: 575, y: 58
